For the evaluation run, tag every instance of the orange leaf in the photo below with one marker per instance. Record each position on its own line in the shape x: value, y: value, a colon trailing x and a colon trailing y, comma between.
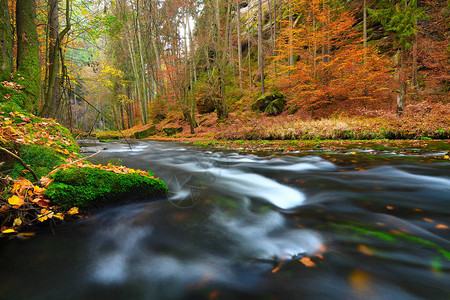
x: 307, y: 262
x: 276, y: 269
x: 366, y: 250
x: 441, y: 226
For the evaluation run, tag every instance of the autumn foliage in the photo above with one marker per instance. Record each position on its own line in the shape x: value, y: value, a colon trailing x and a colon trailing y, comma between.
x: 331, y: 63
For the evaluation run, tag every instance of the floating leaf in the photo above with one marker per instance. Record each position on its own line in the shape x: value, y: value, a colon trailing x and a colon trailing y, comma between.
x: 27, y: 234
x: 9, y: 230
x: 441, y: 226
x: 307, y: 262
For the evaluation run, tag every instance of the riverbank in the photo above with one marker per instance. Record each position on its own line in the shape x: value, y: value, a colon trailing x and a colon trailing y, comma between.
x: 45, y: 180
x: 421, y: 120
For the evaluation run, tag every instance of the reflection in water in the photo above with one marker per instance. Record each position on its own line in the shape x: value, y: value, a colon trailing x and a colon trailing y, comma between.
x: 248, y: 227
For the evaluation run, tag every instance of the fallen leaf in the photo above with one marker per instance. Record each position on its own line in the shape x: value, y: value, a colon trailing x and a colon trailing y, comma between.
x: 16, y: 201
x: 17, y: 222
x: 27, y: 234
x: 366, y: 250
x: 73, y: 211
x: 38, y: 190
x: 42, y: 218
x: 276, y: 269
x: 9, y: 230
x: 59, y: 216
x: 307, y: 262
x: 441, y: 226
x: 4, y: 208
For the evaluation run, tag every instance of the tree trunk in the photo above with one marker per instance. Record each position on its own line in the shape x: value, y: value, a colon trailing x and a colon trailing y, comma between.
x: 415, y: 84
x: 260, y: 46
x: 365, y: 29
x: 238, y: 25
x: 52, y: 96
x: 28, y: 64
x: 6, y: 42
x: 192, y: 76
x: 402, y: 80
x: 250, y: 83
x: 145, y: 92
x: 275, y: 35
x: 291, y: 27
x: 221, y: 106
x: 53, y: 60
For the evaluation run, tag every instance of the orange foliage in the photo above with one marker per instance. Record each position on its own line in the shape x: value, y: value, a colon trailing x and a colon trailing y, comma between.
x: 331, y: 63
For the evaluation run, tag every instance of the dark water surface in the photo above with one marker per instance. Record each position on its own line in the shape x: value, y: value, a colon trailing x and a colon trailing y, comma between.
x: 249, y: 227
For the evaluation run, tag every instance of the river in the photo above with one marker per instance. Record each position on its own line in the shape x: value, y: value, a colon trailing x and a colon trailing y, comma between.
x: 243, y: 226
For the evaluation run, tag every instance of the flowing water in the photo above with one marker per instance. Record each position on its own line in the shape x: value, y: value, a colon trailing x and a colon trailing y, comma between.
x: 238, y: 226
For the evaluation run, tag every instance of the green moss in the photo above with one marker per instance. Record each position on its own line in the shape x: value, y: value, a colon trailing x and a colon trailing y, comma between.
x: 89, y: 187
x: 41, y: 159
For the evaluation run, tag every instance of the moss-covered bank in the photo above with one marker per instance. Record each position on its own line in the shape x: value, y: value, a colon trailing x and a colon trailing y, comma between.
x: 62, y: 182
x: 89, y: 187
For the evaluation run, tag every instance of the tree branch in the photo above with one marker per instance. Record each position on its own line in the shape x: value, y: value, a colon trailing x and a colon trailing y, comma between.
x: 21, y: 162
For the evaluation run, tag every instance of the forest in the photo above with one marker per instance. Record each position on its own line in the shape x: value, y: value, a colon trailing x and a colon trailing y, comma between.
x: 224, y: 149
x: 230, y: 69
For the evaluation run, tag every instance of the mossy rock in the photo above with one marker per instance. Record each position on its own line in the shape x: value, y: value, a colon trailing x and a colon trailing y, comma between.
x: 158, y: 118
x: 90, y: 187
x: 145, y: 133
x: 104, y: 137
x: 172, y: 130
x: 263, y: 102
x: 275, y: 107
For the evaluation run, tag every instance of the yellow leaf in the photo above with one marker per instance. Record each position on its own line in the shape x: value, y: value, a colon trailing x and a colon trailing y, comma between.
x: 15, y: 201
x: 59, y: 216
x: 73, y: 211
x: 66, y: 152
x: 10, y: 230
x: 42, y: 218
x: 38, y: 190
x: 47, y: 213
x: 446, y: 157
x: 17, y: 222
